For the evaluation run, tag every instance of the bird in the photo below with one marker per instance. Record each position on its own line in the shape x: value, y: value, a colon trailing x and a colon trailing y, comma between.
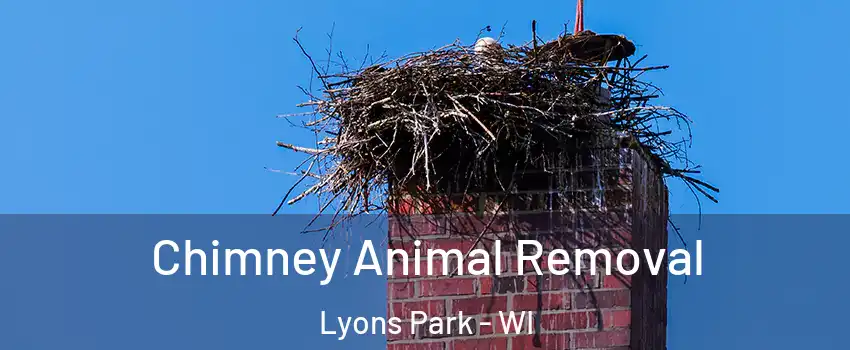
x: 489, y: 53
x: 485, y: 44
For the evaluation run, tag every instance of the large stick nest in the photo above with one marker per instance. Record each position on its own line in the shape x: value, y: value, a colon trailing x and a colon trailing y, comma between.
x: 451, y: 120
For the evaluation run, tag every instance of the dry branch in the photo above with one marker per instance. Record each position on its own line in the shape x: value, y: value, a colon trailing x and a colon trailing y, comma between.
x: 429, y: 121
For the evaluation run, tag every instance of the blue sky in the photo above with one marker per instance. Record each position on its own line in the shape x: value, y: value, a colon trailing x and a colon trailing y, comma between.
x: 169, y: 107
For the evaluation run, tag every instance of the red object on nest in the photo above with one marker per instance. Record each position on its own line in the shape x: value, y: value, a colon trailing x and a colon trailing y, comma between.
x: 579, y: 17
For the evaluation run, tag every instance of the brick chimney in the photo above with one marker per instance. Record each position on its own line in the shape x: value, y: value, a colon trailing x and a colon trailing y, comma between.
x: 612, y: 201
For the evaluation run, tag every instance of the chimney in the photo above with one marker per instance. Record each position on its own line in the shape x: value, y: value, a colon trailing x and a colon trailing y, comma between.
x: 609, y: 198
x: 549, y: 144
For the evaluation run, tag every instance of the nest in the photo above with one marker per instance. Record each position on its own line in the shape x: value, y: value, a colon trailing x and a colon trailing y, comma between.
x: 455, y: 121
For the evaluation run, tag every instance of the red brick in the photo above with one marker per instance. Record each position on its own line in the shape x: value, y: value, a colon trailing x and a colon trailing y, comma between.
x: 400, y: 290
x: 447, y: 286
x: 494, y: 327
x: 550, y: 301
x: 485, y: 285
x: 402, y: 207
x: 605, y: 236
x: 602, y: 299
x: 508, y: 284
x: 398, y: 269
x: 474, y: 225
x: 616, y: 282
x: 480, y: 305
x: 564, y: 321
x: 601, y: 339
x: 572, y: 317
x: 523, y: 342
x: 505, y: 264
x: 559, y: 283
x: 496, y: 343
x: 418, y: 346
x: 528, y: 266
x: 434, y: 308
x: 547, y: 342
x: 616, y: 318
x: 405, y: 333
x: 462, y: 244
x: 409, y: 227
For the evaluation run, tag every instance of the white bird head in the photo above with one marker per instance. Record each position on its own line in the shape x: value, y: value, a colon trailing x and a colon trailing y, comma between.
x: 486, y: 43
